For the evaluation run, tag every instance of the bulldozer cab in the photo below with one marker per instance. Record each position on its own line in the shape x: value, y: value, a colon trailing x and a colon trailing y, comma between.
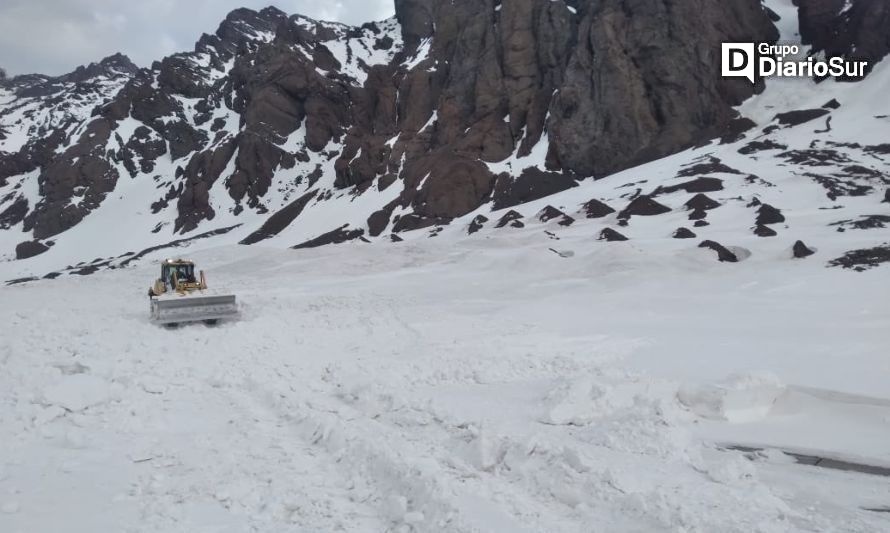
x: 177, y: 272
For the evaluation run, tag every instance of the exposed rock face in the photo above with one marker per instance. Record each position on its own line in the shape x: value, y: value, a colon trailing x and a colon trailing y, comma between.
x: 609, y: 114
x: 801, y: 116
x: 857, y: 30
x: 30, y: 249
x: 449, y: 88
x: 643, y: 206
x: 338, y: 236
x: 863, y: 259
x: 698, y: 185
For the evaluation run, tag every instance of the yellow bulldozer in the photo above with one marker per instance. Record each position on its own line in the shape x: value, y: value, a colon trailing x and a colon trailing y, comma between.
x: 180, y: 296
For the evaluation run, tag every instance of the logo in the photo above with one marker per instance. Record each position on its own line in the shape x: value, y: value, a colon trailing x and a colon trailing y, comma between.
x: 753, y: 61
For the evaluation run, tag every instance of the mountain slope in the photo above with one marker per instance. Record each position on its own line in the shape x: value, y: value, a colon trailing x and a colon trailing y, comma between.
x: 288, y: 131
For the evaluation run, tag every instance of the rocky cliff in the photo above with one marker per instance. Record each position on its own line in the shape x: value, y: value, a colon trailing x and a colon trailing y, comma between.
x: 404, y: 123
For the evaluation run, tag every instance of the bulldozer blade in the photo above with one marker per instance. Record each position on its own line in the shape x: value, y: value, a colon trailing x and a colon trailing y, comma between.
x: 193, y: 309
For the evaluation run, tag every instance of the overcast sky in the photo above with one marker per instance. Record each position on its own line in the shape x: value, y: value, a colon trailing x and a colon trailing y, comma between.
x: 55, y: 36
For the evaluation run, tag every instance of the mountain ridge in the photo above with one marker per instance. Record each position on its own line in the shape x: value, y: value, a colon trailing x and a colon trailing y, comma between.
x: 407, y: 123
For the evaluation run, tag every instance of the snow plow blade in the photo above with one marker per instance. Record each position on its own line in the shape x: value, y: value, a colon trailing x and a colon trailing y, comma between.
x: 193, y: 309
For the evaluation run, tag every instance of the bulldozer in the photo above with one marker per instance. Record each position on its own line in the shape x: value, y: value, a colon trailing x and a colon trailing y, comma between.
x: 179, y: 297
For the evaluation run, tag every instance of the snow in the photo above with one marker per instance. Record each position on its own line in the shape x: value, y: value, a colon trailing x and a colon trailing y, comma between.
x: 423, y: 52
x: 488, y: 385
x: 356, y: 54
x: 461, y: 383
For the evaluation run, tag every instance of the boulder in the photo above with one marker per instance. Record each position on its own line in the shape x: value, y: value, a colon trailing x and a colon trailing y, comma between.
x: 30, y: 249
x: 768, y: 214
x: 477, y: 224
x: 723, y: 254
x: 800, y: 250
x: 683, y: 233
x: 611, y: 235
x: 643, y: 206
x: 701, y: 202
x: 509, y: 217
x: 764, y: 231
x: 597, y: 209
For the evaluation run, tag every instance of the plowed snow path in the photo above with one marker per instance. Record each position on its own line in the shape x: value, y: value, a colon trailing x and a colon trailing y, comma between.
x: 417, y: 391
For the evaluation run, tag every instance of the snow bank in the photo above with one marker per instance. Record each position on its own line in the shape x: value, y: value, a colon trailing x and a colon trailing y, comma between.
x: 741, y: 398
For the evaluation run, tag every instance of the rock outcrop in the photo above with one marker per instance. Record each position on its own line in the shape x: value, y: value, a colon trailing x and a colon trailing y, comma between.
x: 427, y: 116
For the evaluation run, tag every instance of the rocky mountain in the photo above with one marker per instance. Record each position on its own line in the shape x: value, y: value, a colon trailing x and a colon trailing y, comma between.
x: 283, y: 125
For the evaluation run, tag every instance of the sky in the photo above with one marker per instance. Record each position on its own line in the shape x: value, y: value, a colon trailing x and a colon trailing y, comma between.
x: 55, y: 36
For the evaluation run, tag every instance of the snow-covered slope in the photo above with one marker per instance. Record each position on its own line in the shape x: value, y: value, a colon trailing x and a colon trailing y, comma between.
x: 487, y: 385
x: 565, y: 357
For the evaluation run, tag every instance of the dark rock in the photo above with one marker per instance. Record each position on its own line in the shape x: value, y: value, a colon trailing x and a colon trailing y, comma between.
x: 385, y: 181
x: 280, y: 220
x: 878, y: 149
x: 379, y: 220
x: 684, y: 233
x: 795, y: 118
x: 17, y: 211
x: 337, y: 236
x: 597, y: 209
x: 477, y: 224
x: 698, y: 214
x: 714, y: 166
x: 886, y: 199
x: 606, y: 85
x: 723, y: 254
x: 508, y: 217
x: 831, y: 104
x: 701, y: 223
x: 800, y: 250
x: 864, y: 259
x: 395, y: 238
x: 549, y: 213
x: 566, y: 221
x: 859, y: 32
x: 611, y: 235
x: 764, y: 231
x: 735, y: 130
x: 864, y: 222
x: 412, y: 222
x: 759, y: 146
x: 29, y: 249
x: 815, y: 158
x: 643, y: 206
x: 701, y: 202
x: 635, y: 89
x: 533, y: 184
x: 694, y: 186
x: 768, y: 214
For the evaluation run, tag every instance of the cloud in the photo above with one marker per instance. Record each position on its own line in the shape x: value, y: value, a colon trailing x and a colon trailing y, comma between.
x: 55, y: 36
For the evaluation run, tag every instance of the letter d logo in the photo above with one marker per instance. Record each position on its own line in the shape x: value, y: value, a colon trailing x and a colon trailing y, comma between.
x: 738, y: 60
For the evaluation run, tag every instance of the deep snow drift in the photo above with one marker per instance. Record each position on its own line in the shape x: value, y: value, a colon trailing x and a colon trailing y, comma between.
x: 487, y: 386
